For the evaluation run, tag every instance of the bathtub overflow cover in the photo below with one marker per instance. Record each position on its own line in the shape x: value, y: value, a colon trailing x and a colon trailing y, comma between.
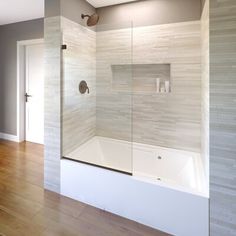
x: 159, y: 157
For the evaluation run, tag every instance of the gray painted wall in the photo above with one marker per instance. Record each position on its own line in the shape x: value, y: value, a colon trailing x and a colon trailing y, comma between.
x: 9, y: 35
x: 52, y: 8
x: 223, y: 117
x: 151, y: 12
x: 143, y: 13
x: 71, y: 9
x: 202, y: 3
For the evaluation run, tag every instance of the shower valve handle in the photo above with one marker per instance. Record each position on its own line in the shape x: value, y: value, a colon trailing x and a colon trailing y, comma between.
x: 83, y: 87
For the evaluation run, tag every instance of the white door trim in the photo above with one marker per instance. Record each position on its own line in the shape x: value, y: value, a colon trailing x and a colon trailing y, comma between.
x: 21, y: 86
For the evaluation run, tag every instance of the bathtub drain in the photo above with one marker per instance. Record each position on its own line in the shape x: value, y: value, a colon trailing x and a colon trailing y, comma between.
x: 159, y: 179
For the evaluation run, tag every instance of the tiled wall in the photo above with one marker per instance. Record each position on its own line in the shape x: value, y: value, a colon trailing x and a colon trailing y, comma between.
x: 52, y: 139
x: 223, y: 117
x: 79, y: 63
x: 205, y: 88
x: 114, y: 107
x: 170, y: 120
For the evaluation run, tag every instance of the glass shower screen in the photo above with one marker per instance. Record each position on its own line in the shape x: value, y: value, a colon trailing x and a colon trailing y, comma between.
x: 97, y: 95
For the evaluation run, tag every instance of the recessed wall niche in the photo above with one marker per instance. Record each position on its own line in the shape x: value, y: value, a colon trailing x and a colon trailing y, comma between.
x: 141, y: 78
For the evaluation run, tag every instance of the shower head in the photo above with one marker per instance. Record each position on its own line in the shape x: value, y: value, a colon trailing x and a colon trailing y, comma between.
x: 92, y: 20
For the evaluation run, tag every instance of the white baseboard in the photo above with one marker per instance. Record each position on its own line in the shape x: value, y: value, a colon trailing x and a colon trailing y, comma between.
x: 9, y: 137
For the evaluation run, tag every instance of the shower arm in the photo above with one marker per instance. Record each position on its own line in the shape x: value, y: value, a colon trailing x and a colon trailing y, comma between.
x: 83, y: 16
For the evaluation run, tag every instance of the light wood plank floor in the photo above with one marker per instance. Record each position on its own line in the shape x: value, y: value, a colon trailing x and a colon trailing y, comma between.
x: 29, y: 210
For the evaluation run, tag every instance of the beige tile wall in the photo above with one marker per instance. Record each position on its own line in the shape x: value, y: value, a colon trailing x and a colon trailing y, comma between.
x: 170, y: 120
x: 114, y: 107
x: 79, y: 63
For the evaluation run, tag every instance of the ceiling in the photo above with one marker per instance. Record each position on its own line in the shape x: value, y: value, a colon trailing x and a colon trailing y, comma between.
x: 104, y: 3
x: 12, y: 11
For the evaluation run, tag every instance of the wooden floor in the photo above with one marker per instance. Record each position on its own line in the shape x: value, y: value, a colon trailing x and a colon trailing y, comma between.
x: 27, y: 209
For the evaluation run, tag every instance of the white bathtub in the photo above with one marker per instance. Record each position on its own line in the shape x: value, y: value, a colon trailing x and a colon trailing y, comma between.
x: 166, y: 190
x: 110, y: 153
x: 171, y: 166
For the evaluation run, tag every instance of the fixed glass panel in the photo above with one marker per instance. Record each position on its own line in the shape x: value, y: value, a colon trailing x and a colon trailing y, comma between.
x: 97, y: 94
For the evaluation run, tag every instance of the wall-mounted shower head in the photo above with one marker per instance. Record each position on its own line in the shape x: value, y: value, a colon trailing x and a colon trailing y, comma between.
x: 92, y: 20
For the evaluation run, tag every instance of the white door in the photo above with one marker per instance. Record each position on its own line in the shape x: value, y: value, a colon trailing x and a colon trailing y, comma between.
x: 34, y: 93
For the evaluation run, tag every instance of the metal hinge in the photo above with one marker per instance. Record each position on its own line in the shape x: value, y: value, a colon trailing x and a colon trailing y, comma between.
x: 63, y: 46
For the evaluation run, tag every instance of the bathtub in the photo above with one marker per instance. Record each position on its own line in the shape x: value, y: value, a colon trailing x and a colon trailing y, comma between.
x: 159, y: 187
x: 105, y: 152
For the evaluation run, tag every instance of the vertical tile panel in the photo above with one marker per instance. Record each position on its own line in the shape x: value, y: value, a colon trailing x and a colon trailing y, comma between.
x: 223, y: 117
x: 52, y: 139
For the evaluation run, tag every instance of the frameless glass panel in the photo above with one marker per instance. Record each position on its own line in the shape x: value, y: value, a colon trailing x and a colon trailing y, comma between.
x: 97, y: 94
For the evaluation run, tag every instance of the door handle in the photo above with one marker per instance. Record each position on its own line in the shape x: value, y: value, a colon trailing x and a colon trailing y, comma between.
x: 27, y: 96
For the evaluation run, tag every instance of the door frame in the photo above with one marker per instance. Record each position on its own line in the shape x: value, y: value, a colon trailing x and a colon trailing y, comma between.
x: 20, y: 121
